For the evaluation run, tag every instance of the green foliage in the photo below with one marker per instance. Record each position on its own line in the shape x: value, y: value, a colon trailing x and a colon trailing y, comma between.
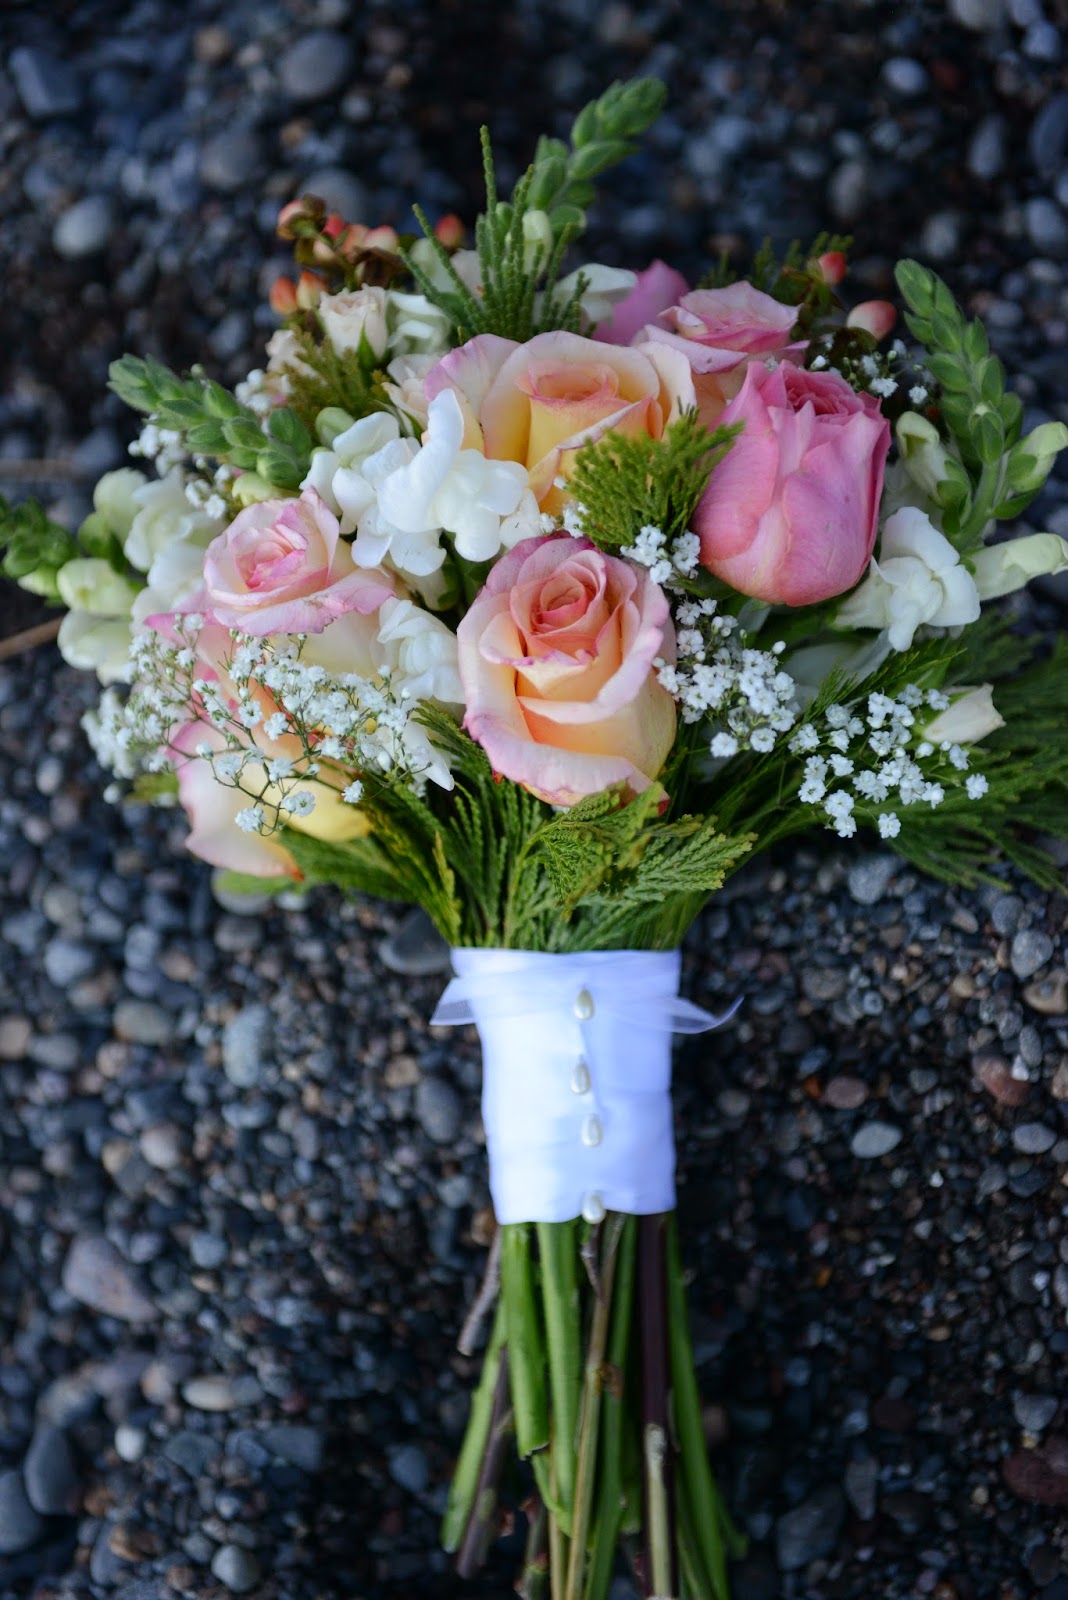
x: 794, y: 279
x: 998, y: 477
x: 33, y: 548
x: 149, y: 788
x: 521, y: 242
x: 212, y: 422
x: 351, y: 382
x: 249, y: 883
x: 625, y: 484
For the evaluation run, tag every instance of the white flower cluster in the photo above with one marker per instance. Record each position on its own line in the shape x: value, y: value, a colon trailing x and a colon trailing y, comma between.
x: 871, y: 752
x: 162, y: 445
x: 650, y: 549
x: 718, y: 677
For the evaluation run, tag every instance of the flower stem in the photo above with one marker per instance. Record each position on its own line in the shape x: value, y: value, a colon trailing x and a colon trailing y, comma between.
x: 482, y: 1524
x: 658, y: 1476
x: 526, y: 1353
x: 558, y: 1251
x: 534, y: 1577
x: 464, y: 1484
x: 611, y: 1494
x: 557, y: 1536
x: 593, y: 1385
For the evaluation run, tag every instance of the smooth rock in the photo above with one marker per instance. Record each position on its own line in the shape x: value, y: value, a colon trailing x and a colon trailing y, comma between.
x: 996, y: 1076
x: 191, y: 1452
x: 49, y: 1471
x: 161, y: 1146
x: 861, y: 1484
x: 230, y: 160
x: 875, y: 1139
x: 143, y: 1022
x: 439, y: 1109
x: 845, y: 1093
x: 217, y: 1391
x: 1033, y: 1138
x: 980, y: 15
x: 1047, y: 226
x: 868, y: 878
x: 986, y: 150
x: 66, y: 962
x: 300, y: 1446
x: 236, y: 1567
x: 417, y: 949
x: 1030, y: 950
x: 317, y: 66
x: 1034, y: 1412
x: 1047, y: 142
x: 95, y: 1274
x: 20, y: 1526
x: 46, y: 86
x: 904, y: 75
x: 130, y: 1442
x: 246, y: 1042
x: 408, y: 1467
x: 1049, y: 995
x: 208, y: 1250
x: 810, y: 1530
x: 84, y: 228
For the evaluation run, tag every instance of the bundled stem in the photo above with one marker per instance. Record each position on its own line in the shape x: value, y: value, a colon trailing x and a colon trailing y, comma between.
x: 558, y: 1250
x: 482, y: 1523
x: 593, y: 1386
x: 466, y: 1478
x: 657, y: 1466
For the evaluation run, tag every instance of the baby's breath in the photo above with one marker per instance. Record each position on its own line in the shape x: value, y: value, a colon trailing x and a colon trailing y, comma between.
x: 717, y: 677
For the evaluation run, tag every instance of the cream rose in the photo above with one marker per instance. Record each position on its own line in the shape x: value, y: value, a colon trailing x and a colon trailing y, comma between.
x: 556, y: 661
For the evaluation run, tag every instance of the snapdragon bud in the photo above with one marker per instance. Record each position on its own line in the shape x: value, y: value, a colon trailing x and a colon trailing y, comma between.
x: 248, y: 488
x: 1031, y: 459
x: 970, y: 717
x: 331, y: 423
x: 91, y: 584
x: 537, y: 237
x: 924, y: 455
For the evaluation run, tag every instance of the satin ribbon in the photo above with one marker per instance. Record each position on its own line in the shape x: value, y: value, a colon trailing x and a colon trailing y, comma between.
x: 576, y: 1076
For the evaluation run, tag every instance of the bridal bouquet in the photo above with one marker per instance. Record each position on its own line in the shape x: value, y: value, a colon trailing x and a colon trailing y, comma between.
x: 541, y: 599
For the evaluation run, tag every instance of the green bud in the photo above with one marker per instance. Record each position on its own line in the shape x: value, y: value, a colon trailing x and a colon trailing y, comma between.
x: 248, y: 488
x: 1031, y: 460
x: 537, y: 237
x: 926, y: 459
x: 90, y: 584
x: 95, y: 536
x: 42, y: 582
x: 1002, y: 568
x: 331, y: 423
x: 114, y: 499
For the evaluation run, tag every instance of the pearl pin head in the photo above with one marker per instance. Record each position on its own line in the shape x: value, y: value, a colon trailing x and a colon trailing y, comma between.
x: 584, y: 1006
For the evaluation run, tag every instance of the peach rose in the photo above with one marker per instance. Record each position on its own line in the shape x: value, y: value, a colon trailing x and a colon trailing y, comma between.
x: 537, y: 403
x: 556, y: 661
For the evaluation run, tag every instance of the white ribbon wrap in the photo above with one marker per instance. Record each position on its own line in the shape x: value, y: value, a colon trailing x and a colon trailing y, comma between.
x: 576, y: 1076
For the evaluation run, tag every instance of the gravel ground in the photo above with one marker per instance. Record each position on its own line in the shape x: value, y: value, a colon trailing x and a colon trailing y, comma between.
x: 242, y: 1191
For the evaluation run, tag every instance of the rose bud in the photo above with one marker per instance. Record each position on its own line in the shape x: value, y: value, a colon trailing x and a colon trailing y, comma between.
x: 831, y: 267
x: 309, y: 288
x: 283, y: 297
x: 876, y: 317
x: 449, y: 231
x: 308, y: 209
x: 334, y: 225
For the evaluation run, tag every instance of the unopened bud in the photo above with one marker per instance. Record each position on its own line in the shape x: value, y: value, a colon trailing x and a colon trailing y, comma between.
x: 334, y: 225
x: 876, y: 317
x: 309, y: 287
x: 1032, y: 458
x: 295, y: 217
x: 537, y: 236
x: 922, y: 451
x: 248, y: 487
x: 330, y: 424
x: 283, y: 297
x: 831, y: 267
x: 449, y: 231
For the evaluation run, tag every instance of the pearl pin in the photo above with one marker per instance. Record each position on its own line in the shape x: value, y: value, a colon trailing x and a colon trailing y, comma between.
x: 593, y: 1208
x: 583, y: 1007
x: 580, y: 1078
x: 592, y: 1131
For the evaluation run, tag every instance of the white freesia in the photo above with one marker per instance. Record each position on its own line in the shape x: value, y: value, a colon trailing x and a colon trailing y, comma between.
x: 91, y: 584
x: 421, y: 653
x: 415, y: 325
x: 605, y: 288
x: 115, y: 498
x: 165, y: 515
x: 352, y: 316
x: 917, y: 579
x: 173, y: 578
x: 1002, y: 568
x: 405, y: 387
x: 96, y: 644
x: 444, y: 486
x: 337, y: 473
x: 970, y: 718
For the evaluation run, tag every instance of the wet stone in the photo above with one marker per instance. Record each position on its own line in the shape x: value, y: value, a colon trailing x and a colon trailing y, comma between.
x: 316, y: 66
x: 46, y: 86
x: 50, y: 1474
x: 1033, y: 1138
x: 408, y: 1467
x: 439, y: 1109
x: 300, y: 1446
x: 235, y: 1567
x: 245, y: 1044
x: 95, y: 1274
x: 20, y: 1526
x: 861, y: 1485
x: 845, y: 1093
x: 84, y: 229
x: 1034, y: 1412
x: 1030, y: 951
x: 875, y: 1139
x: 810, y: 1530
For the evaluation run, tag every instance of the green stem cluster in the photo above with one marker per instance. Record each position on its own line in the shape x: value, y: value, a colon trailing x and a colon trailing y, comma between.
x: 602, y: 1395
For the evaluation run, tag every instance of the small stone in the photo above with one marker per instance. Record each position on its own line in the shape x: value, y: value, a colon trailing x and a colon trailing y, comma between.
x: 1047, y: 143
x: 845, y: 1093
x: 317, y: 66
x: 1059, y: 1086
x: 246, y: 1042
x: 869, y: 877
x: 940, y: 236
x: 875, y: 1139
x: 996, y: 1077
x: 1042, y: 42
x: 191, y: 1452
x: 1033, y: 1138
x: 231, y: 160
x: 130, y: 1442
x: 1005, y: 914
x: 1049, y: 995
x: 439, y: 1109
x: 50, y: 1474
x: 408, y: 1467
x: 733, y: 1103
x: 20, y: 1526
x: 213, y: 44
x: 823, y: 984
x: 84, y: 228
x: 986, y: 151
x: 235, y: 1567
x: 1030, y: 950
x: 1033, y: 1476
x: 300, y: 1446
x: 96, y: 1275
x: 208, y: 1250
x: 810, y: 1530
x: 1047, y: 226
x: 848, y: 190
x: 15, y: 1035
x: 216, y: 1391
x: 904, y: 75
x: 417, y: 949
x: 161, y: 1146
x: 66, y: 962
x: 47, y: 87
x: 861, y: 1484
x: 143, y: 1022
x: 1034, y: 1412
x: 982, y: 16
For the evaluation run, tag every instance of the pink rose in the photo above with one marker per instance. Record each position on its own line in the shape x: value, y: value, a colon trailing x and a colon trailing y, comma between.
x: 537, y: 403
x: 720, y: 331
x: 657, y: 288
x: 282, y: 567
x: 556, y: 660
x: 790, y: 514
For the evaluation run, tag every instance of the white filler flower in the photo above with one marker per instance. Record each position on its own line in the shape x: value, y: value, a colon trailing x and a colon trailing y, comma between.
x: 917, y: 579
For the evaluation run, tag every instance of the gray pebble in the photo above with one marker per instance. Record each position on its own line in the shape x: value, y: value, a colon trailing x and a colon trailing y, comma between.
x: 66, y: 962
x: 143, y: 1022
x: 1031, y: 949
x: 300, y: 1446
x: 986, y: 151
x: 245, y: 1042
x: 84, y: 228
x: 317, y: 66
x: 848, y: 190
x: 208, y: 1250
x: 1042, y: 42
x: 161, y: 1145
x: 231, y: 160
x: 417, y: 949
x: 96, y: 1275
x: 810, y: 1529
x: 904, y: 75
x: 191, y: 1452
x: 875, y: 1139
x: 1034, y: 1412
x: 20, y: 1526
x: 940, y: 238
x: 218, y: 1391
x: 869, y: 877
x: 47, y: 87
x: 1047, y: 142
x: 439, y: 1109
x: 980, y: 15
x: 1047, y: 226
x: 49, y: 1471
x: 238, y: 1569
x: 1033, y: 1138
x: 1005, y: 914
x: 408, y: 1467
x: 861, y: 1483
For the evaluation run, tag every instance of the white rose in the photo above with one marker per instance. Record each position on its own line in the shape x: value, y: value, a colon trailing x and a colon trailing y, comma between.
x: 353, y: 316
x: 917, y: 579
